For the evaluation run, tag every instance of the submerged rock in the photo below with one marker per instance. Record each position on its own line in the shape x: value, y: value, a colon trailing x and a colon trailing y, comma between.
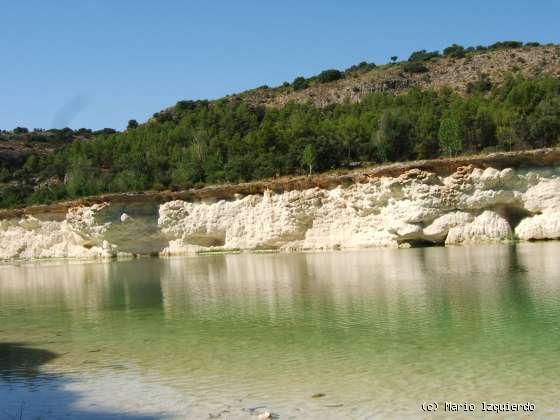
x: 125, y: 218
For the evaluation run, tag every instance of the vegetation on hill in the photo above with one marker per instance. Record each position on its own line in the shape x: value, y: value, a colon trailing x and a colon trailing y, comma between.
x: 18, y: 144
x: 456, y: 66
x: 413, y: 64
x: 200, y: 142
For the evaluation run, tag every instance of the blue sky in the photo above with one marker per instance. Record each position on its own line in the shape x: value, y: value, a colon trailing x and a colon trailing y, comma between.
x: 99, y: 63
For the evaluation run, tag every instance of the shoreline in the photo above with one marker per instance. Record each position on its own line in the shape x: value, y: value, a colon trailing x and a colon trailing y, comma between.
x: 135, y: 257
x: 497, y: 198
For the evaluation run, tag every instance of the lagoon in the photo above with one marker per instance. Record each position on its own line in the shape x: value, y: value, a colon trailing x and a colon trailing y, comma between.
x: 351, y: 334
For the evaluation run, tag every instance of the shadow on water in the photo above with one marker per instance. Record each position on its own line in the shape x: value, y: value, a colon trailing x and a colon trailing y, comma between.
x: 19, y: 362
x: 20, y: 377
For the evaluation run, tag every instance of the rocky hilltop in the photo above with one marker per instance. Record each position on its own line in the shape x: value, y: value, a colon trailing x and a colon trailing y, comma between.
x: 440, y: 71
x: 430, y: 202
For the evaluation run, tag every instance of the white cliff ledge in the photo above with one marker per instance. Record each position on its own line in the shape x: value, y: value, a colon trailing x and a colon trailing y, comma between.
x: 469, y: 206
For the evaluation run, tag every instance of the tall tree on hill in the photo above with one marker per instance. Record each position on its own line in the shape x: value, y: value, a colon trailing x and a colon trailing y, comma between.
x: 450, y: 136
x: 309, y: 157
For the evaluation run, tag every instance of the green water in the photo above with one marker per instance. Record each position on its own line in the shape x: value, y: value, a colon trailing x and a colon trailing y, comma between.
x: 378, y: 332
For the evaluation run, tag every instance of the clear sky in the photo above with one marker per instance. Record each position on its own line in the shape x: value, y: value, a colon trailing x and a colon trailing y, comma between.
x: 99, y: 63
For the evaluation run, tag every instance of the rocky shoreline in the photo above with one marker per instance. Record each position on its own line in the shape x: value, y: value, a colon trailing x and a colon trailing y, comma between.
x: 493, y: 198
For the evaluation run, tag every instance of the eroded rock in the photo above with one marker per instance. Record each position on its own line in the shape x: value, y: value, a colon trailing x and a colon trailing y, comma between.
x: 488, y: 227
x: 470, y: 205
x: 542, y: 226
x: 31, y: 238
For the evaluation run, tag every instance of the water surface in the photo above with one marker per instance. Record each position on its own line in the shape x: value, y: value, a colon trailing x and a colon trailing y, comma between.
x: 227, y: 336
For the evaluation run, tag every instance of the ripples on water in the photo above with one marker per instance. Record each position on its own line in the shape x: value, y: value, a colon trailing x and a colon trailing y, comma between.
x: 378, y: 332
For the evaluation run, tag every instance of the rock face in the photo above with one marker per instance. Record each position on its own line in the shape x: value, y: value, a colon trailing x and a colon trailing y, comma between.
x: 79, y: 236
x: 469, y: 206
x: 488, y: 227
x: 542, y: 226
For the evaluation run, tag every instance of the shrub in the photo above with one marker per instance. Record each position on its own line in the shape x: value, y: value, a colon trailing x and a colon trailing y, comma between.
x: 105, y: 132
x: 483, y: 84
x: 454, y: 51
x: 183, y: 106
x: 83, y: 131
x: 423, y: 55
x: 363, y: 67
x: 415, y: 67
x: 163, y: 116
x: 505, y: 45
x: 331, y: 75
x: 300, y: 83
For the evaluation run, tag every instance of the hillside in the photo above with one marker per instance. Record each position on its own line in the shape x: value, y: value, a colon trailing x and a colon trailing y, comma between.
x: 462, y: 101
x: 456, y: 73
x: 18, y: 145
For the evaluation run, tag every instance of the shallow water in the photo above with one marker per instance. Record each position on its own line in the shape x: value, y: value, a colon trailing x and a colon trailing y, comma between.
x: 378, y: 332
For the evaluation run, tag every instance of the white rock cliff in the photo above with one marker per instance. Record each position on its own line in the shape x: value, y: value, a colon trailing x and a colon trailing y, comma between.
x: 78, y: 236
x: 469, y: 206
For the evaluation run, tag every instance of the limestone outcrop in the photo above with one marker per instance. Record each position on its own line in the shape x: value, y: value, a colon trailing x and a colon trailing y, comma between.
x: 78, y: 236
x: 471, y: 205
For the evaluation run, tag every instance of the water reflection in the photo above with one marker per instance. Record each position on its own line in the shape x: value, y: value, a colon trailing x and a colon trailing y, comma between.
x: 437, y: 283
x: 83, y: 287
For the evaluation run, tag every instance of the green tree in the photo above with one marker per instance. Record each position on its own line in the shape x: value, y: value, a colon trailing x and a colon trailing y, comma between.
x: 485, y: 129
x: 423, y: 55
x: 393, y: 136
x: 454, y: 51
x: 300, y: 83
x: 327, y: 76
x: 544, y: 124
x: 309, y: 157
x: 79, y: 180
x: 426, y: 133
x: 483, y: 84
x: 450, y: 136
x: 415, y: 67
